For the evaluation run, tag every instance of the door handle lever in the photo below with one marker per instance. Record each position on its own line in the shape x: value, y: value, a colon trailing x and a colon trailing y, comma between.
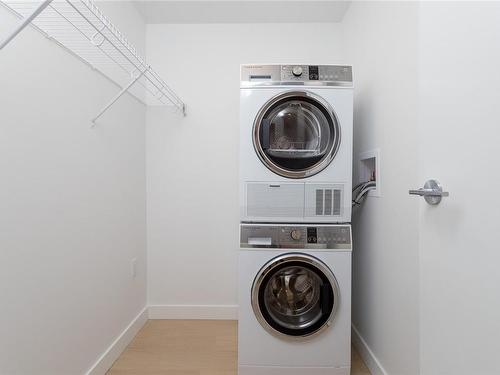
x: 432, y: 192
x: 429, y: 193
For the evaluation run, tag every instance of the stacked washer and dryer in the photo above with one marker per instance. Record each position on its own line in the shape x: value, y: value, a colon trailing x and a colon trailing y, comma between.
x: 295, y: 233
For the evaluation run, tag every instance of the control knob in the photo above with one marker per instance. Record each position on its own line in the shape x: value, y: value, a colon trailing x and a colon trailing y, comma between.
x: 295, y: 234
x: 297, y: 71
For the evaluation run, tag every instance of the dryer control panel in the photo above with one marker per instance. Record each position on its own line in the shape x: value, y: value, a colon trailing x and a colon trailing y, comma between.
x: 304, y: 236
x: 315, y: 75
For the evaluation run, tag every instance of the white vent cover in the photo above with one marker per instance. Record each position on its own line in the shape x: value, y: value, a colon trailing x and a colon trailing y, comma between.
x: 323, y: 200
x: 328, y: 202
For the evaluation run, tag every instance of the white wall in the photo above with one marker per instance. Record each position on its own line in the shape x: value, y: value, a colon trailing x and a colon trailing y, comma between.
x: 192, y: 162
x: 425, y: 279
x: 459, y: 124
x: 72, y: 207
x: 73, y: 202
x: 381, y: 44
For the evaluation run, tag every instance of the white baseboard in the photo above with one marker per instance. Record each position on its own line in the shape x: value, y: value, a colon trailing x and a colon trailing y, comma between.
x: 366, y: 353
x: 213, y: 312
x: 111, y: 354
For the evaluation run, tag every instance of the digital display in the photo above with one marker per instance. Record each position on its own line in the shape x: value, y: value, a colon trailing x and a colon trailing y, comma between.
x: 313, y: 72
x: 312, y: 235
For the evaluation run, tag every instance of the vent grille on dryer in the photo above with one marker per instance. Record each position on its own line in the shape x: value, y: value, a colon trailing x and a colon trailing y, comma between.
x: 328, y: 202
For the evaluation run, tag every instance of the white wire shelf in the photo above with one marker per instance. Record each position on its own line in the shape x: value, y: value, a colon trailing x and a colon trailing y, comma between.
x: 81, y: 27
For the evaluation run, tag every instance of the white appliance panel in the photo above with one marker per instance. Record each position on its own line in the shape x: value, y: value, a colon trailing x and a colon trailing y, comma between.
x: 283, y: 200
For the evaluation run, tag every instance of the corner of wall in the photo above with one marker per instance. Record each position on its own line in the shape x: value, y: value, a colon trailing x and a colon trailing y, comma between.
x: 106, y: 360
x: 371, y: 361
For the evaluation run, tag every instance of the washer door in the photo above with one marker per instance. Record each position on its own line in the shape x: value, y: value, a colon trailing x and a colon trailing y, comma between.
x: 296, y: 134
x: 295, y: 296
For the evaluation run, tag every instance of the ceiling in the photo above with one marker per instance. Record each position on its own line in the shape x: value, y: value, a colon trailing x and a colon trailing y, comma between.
x: 241, y: 11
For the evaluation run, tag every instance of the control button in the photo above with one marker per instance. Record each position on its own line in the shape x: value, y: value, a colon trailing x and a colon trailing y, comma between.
x: 295, y: 234
x: 297, y: 71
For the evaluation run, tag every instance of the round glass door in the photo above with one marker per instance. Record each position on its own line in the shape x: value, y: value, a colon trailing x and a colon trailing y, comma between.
x: 296, y: 134
x: 295, y: 296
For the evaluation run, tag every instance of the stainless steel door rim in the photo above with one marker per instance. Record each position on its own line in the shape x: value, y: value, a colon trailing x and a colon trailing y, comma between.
x: 333, y: 140
x: 300, y: 329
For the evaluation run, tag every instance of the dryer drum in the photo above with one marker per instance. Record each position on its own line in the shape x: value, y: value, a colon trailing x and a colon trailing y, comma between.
x: 296, y: 134
x: 295, y: 296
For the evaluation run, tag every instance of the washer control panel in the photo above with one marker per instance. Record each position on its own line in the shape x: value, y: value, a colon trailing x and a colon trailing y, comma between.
x: 321, y: 75
x: 295, y: 236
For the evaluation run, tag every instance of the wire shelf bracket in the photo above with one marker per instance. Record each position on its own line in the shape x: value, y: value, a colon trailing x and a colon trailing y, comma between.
x: 118, y: 96
x: 81, y: 28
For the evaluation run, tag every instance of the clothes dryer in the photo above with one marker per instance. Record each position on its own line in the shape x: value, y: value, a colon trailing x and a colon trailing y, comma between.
x: 296, y: 143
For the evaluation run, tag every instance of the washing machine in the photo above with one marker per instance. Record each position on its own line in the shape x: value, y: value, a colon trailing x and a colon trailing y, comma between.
x: 296, y: 143
x: 294, y: 299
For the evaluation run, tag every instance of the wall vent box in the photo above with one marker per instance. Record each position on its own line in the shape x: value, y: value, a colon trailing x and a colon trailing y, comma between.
x: 369, y: 168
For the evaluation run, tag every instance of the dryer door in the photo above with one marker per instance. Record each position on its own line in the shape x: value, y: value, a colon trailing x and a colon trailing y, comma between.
x: 295, y: 296
x: 296, y: 134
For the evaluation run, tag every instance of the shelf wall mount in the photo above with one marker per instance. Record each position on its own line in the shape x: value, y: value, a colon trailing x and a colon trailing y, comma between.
x: 80, y: 27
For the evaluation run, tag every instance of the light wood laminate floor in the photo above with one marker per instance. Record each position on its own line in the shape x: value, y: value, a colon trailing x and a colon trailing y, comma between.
x: 189, y: 347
